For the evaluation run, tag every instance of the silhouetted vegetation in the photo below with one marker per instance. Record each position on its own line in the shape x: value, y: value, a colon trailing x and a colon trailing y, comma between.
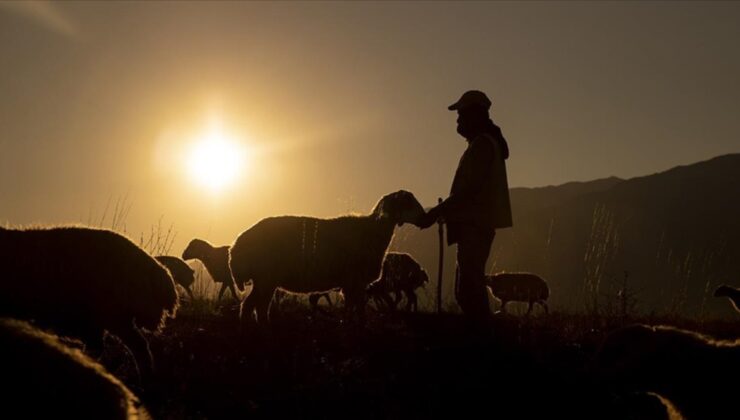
x: 400, y: 365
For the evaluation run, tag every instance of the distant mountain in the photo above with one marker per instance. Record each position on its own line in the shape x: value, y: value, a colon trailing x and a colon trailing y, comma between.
x: 676, y: 234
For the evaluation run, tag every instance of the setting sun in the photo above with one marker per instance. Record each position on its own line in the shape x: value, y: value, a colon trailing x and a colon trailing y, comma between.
x: 215, y: 160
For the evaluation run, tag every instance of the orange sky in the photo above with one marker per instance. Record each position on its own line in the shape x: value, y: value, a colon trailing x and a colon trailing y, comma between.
x: 340, y: 103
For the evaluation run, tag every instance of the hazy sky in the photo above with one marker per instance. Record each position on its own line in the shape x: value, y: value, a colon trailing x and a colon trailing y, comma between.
x: 339, y: 103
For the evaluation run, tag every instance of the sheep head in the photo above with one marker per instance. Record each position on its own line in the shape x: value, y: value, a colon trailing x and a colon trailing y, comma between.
x: 424, y: 276
x: 723, y: 290
x: 196, y: 249
x: 190, y: 275
x: 399, y: 207
x: 375, y: 288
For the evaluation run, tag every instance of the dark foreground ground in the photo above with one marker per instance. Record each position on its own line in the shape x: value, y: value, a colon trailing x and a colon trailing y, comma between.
x: 399, y: 366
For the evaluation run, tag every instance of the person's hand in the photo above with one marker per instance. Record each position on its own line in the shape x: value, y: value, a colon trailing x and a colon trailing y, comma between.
x: 429, y: 218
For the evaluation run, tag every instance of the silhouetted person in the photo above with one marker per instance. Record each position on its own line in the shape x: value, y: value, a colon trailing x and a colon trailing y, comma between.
x: 478, y: 203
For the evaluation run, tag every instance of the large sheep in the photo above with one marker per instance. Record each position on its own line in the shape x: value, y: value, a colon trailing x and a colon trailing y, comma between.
x: 82, y: 282
x: 180, y: 271
x: 694, y: 372
x: 519, y: 287
x: 401, y: 275
x: 216, y: 261
x: 307, y: 254
x: 732, y: 293
x: 44, y: 378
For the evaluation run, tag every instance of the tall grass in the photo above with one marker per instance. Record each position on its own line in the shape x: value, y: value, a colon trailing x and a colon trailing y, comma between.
x: 601, y: 248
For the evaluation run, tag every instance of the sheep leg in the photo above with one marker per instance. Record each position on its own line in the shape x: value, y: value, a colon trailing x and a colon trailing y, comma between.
x: 356, y: 306
x: 390, y: 304
x: 408, y: 300
x: 190, y: 293
x: 413, y: 304
x: 313, y: 299
x: 221, y: 292
x: 328, y: 300
x: 139, y: 348
x: 233, y: 292
x: 544, y: 305
x: 246, y: 309
x: 380, y: 303
x: 529, y: 310
x: 264, y: 298
x: 397, y: 299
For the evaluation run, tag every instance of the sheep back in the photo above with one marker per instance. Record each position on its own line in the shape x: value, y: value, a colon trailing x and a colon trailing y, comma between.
x: 71, y: 277
x: 42, y: 378
x: 305, y: 254
x: 521, y: 287
x: 402, y: 271
x: 179, y: 269
x: 679, y: 365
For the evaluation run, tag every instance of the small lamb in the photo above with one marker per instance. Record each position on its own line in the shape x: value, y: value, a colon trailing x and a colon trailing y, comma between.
x: 519, y: 287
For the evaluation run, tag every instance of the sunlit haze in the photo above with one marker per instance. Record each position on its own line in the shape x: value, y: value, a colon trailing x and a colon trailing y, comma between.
x: 215, y: 160
x: 326, y: 106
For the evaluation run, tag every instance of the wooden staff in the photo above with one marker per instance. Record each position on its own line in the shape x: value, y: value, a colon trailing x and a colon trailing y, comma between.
x: 441, y: 231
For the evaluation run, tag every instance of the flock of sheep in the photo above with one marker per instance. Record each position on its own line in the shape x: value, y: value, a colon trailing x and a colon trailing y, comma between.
x: 81, y: 282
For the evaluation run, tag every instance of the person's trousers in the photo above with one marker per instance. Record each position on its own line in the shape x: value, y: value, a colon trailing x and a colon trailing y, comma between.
x: 473, y: 248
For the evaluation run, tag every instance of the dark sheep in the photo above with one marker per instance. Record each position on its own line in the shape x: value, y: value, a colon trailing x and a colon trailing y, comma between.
x: 44, y: 378
x: 731, y: 293
x: 682, y: 367
x: 180, y: 271
x: 401, y: 275
x: 216, y: 261
x: 307, y: 254
x: 519, y: 287
x: 81, y: 282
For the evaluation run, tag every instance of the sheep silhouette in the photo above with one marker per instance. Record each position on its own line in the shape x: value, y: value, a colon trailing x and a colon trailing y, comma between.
x: 681, y: 367
x: 307, y: 254
x: 519, y: 287
x: 42, y: 377
x: 216, y: 261
x: 81, y: 282
x: 731, y: 293
x: 401, y: 274
x: 180, y: 271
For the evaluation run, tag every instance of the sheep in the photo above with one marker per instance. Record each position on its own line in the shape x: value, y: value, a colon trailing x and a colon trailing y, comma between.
x: 313, y: 298
x: 519, y: 287
x: 682, y: 367
x: 180, y: 271
x: 42, y: 378
x: 81, y: 282
x: 401, y: 274
x: 731, y: 293
x: 216, y: 261
x: 307, y: 254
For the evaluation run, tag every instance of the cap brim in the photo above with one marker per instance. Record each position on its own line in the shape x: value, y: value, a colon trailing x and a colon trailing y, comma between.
x: 454, y: 107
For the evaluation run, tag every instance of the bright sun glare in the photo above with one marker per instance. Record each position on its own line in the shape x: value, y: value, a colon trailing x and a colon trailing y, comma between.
x: 215, y: 160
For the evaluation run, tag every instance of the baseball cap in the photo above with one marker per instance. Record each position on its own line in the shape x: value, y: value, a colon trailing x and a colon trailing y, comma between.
x: 471, y: 98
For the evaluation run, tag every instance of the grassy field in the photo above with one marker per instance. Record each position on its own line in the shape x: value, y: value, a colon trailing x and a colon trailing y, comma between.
x: 399, y: 365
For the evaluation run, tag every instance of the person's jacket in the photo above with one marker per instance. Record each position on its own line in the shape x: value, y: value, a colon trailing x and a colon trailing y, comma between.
x: 479, y: 197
